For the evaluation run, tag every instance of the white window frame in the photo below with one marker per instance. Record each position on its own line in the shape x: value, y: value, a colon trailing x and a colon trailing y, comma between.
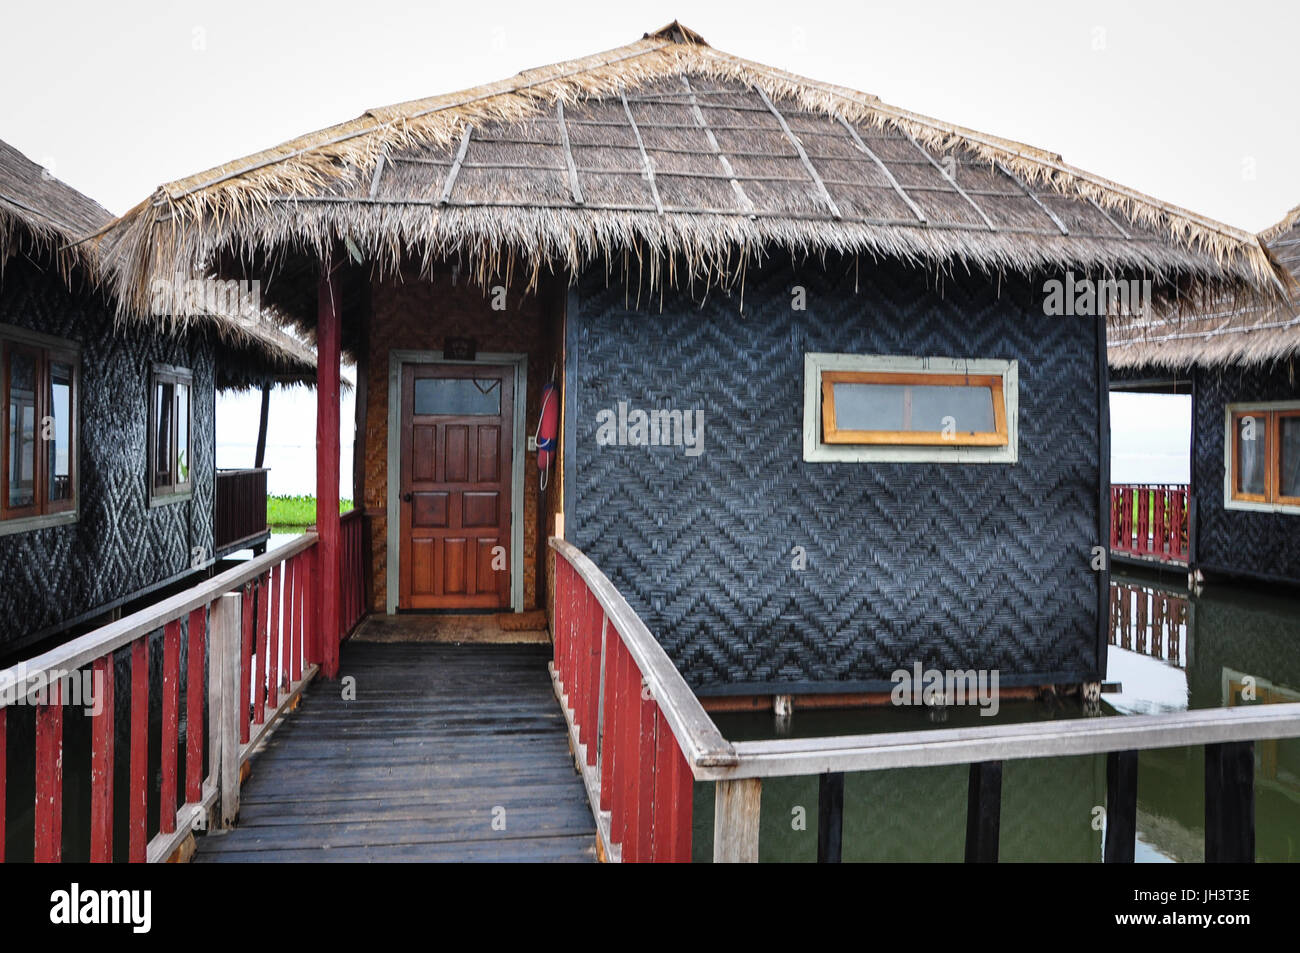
x: 1259, y: 406
x: 815, y: 450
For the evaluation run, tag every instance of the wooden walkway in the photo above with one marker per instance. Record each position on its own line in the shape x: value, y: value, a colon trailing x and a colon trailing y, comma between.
x: 441, y: 742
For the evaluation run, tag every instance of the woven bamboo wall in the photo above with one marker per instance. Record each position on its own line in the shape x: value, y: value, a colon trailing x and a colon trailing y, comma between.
x: 1238, y: 541
x: 119, y: 545
x: 954, y: 566
x: 415, y: 314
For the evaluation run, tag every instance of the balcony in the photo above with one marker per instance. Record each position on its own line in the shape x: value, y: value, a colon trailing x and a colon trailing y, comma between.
x: 239, y: 511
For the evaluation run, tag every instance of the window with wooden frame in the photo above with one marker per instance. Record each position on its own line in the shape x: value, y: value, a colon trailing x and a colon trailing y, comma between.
x: 38, y: 430
x: 908, y: 409
x: 1263, y: 457
x: 170, y: 425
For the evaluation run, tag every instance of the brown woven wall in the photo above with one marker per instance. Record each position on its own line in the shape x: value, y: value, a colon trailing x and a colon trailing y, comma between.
x: 417, y: 314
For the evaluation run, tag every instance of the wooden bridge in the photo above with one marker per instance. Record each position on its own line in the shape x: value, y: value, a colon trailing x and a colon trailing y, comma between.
x: 429, y: 752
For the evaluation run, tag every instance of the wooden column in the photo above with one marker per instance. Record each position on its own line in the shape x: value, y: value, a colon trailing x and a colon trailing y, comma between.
x: 735, y: 821
x: 1121, y: 806
x: 983, y: 812
x: 1230, y: 803
x: 328, y: 332
x: 830, y: 817
x: 259, y: 458
x: 227, y: 695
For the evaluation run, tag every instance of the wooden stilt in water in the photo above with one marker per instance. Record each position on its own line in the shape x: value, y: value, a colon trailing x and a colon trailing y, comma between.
x: 830, y: 817
x: 1121, y: 806
x: 328, y: 571
x: 983, y: 812
x: 1230, y: 803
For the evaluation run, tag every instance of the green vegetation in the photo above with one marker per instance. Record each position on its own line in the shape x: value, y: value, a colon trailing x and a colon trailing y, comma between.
x: 293, y: 514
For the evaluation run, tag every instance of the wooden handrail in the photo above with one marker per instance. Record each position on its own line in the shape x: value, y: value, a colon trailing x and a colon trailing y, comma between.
x: 698, y: 737
x: 786, y: 757
x: 85, y: 649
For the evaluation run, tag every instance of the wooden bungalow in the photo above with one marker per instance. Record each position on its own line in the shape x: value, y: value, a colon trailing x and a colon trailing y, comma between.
x: 816, y: 422
x: 108, y: 422
x: 1238, y: 361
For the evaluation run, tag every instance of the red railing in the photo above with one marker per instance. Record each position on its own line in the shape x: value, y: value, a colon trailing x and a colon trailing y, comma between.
x: 637, y: 728
x: 352, y: 581
x: 251, y: 643
x: 1150, y: 521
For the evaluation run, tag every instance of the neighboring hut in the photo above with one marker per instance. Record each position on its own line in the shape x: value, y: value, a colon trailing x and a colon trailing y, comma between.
x: 816, y: 424
x: 107, y: 422
x: 1239, y: 362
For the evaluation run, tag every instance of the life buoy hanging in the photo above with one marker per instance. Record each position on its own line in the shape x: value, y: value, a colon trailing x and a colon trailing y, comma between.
x: 548, y: 424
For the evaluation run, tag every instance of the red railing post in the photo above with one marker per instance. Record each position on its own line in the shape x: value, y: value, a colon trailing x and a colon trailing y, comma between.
x: 259, y: 662
x: 194, y: 706
x: 557, y: 637
x: 647, y: 744
x: 596, y: 637
x: 630, y: 740
x: 299, y: 613
x: 609, y: 730
x: 49, y: 777
x: 4, y: 734
x: 139, y: 790
x: 101, y: 762
x: 171, y: 702
x: 1159, y: 532
x: 273, y: 640
x: 615, y: 732
x: 245, y: 663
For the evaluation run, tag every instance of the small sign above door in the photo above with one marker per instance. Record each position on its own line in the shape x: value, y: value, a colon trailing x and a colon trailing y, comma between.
x: 460, y: 349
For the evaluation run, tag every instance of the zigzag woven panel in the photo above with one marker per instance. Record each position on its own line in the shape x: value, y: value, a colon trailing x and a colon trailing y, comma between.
x: 119, y: 545
x: 955, y: 566
x: 1238, y: 541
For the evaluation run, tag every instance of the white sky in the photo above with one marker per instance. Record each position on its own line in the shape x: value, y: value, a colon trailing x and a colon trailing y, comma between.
x: 1191, y: 102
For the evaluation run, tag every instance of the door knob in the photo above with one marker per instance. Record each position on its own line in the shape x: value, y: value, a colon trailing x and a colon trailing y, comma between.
x: 407, y: 497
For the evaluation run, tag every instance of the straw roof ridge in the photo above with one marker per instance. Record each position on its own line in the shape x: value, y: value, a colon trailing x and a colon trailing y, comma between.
x: 313, y: 192
x: 1221, y: 330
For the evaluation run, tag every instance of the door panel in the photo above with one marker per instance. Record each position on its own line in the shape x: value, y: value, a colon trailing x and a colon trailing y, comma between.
x: 456, y: 454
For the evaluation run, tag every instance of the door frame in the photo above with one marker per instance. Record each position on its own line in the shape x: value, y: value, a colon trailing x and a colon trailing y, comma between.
x: 397, y: 358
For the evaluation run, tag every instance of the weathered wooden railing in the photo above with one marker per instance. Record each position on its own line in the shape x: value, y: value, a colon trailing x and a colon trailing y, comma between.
x: 238, y: 510
x: 620, y: 691
x: 637, y: 728
x: 352, y: 576
x: 251, y: 644
x: 1150, y: 521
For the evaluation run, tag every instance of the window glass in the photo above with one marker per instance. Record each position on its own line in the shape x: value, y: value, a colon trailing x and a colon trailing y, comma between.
x: 58, y: 432
x: 1252, y: 454
x: 1289, y: 443
x: 913, y: 407
x: 164, y: 400
x: 457, y: 396
x: 182, y: 433
x: 22, y: 371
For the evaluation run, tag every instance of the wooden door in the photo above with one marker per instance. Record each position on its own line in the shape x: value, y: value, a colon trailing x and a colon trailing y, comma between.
x: 457, y: 447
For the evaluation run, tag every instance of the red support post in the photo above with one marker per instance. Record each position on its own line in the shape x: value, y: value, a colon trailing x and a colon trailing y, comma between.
x: 245, y: 663
x: 645, y: 778
x: 49, y: 778
x: 609, y: 732
x: 1159, y: 532
x: 557, y: 637
x: 614, y: 731
x: 139, y: 791
x: 273, y: 640
x: 171, y: 703
x: 299, y: 612
x: 596, y: 627
x: 630, y: 740
x: 580, y: 651
x: 328, y: 335
x: 259, y: 661
x: 194, y: 738
x: 683, y: 805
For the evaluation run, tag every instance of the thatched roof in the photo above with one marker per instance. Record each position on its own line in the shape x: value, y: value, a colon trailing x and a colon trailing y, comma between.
x: 1226, y: 330
x: 46, y: 219
x: 665, y: 154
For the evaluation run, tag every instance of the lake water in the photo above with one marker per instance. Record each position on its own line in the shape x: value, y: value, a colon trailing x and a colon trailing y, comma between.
x: 1169, y: 651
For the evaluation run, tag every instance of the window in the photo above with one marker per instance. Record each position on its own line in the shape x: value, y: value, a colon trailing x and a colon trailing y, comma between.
x: 38, y: 401
x: 169, y: 433
x: 860, y: 408
x: 1262, y: 469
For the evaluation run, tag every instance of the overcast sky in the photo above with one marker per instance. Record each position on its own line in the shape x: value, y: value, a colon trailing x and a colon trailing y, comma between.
x: 1191, y: 102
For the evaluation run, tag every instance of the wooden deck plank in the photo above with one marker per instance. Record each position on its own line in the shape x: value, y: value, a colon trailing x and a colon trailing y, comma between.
x: 439, y: 741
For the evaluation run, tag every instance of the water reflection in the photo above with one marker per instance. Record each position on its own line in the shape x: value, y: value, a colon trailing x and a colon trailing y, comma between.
x: 1168, y: 652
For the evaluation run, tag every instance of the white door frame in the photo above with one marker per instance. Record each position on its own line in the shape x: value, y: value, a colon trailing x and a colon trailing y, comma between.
x: 396, y: 358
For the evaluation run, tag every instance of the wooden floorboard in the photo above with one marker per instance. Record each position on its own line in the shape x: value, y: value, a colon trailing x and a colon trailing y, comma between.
x: 442, y: 745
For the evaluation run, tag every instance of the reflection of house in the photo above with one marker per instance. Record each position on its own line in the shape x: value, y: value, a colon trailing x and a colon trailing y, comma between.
x: 816, y: 424
x: 1238, y: 361
x: 106, y: 424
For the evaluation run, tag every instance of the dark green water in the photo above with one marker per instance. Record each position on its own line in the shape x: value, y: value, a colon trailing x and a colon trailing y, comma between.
x: 1169, y: 652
